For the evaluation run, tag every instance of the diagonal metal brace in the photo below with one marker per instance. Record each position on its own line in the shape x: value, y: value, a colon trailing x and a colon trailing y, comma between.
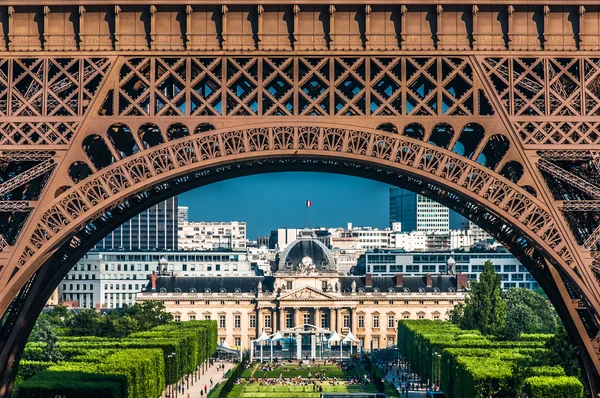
x: 26, y: 176
x: 569, y: 178
x: 593, y: 238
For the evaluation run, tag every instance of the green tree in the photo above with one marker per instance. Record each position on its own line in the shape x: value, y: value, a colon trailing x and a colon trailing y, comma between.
x: 562, y: 352
x: 527, y: 312
x: 485, y: 309
x: 86, y: 323
x: 456, y: 314
x: 148, y: 314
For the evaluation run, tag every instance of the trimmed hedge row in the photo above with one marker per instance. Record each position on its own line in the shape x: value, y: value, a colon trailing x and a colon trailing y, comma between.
x: 553, y: 387
x: 469, y: 365
x: 226, y: 386
x: 138, y: 366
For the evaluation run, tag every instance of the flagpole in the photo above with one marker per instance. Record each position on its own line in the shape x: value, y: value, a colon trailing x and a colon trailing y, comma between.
x: 306, y: 221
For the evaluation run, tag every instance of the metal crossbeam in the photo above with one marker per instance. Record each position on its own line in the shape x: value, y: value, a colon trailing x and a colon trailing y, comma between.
x: 581, y: 205
x: 3, y: 242
x: 24, y: 156
x: 26, y: 176
x: 566, y: 155
x: 9, y: 206
x: 569, y: 178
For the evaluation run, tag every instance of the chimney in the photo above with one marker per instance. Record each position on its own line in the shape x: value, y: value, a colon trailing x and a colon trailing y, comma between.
x: 399, y: 281
x: 429, y: 282
x: 462, y: 282
x: 153, y: 279
x: 369, y: 280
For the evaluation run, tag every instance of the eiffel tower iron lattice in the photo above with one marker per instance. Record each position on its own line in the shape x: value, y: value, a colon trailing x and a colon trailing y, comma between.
x: 492, y: 109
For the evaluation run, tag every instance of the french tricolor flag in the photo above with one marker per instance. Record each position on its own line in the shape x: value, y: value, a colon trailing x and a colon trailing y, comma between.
x: 309, y: 203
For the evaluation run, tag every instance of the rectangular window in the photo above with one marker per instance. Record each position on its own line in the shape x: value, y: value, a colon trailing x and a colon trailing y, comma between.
x: 346, y: 321
x: 325, y: 320
x: 324, y: 286
x: 361, y: 321
x: 306, y: 318
x: 221, y: 340
x: 252, y: 320
x: 289, y: 285
x: 237, y: 341
x: 207, y: 317
x: 268, y: 321
x: 376, y: 321
x: 391, y: 321
x: 177, y: 318
x: 288, y: 321
x: 192, y: 317
x: 375, y: 343
x: 221, y: 321
x: 406, y: 316
x: 237, y: 321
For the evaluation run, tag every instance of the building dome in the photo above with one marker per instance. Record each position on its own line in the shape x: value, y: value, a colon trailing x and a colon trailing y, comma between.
x: 305, y: 255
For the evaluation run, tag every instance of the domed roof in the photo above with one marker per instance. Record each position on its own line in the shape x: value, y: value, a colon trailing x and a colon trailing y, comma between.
x: 306, y: 254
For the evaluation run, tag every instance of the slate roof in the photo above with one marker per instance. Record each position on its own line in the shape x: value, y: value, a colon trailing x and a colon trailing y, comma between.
x: 246, y: 284
x: 412, y: 283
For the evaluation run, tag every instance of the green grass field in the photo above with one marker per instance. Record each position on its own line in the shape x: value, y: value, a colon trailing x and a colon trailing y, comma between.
x: 255, y: 390
x: 330, y: 371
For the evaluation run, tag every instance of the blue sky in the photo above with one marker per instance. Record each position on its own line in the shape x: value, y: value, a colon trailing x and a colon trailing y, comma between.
x: 277, y: 200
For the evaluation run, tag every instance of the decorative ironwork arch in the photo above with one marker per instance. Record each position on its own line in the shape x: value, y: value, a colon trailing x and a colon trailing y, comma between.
x: 112, y: 134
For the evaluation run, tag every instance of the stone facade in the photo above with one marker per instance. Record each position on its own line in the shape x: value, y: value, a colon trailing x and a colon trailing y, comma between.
x: 301, y: 292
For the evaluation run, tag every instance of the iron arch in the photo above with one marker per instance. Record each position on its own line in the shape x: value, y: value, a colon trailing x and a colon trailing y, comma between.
x: 83, y: 214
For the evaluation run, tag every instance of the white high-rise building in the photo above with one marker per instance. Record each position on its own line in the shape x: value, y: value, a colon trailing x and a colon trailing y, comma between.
x: 208, y: 235
x: 182, y: 214
x: 417, y: 213
x: 112, y: 279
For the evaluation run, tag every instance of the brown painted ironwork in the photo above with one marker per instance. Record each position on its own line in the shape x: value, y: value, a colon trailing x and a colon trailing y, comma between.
x: 491, y: 108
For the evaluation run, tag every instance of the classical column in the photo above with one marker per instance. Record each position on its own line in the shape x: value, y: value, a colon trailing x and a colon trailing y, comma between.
x: 352, y: 313
x: 332, y: 319
x: 338, y: 319
x: 298, y: 346
x: 259, y: 322
x: 313, y: 346
x: 317, y: 319
x: 281, y: 319
x: 297, y: 321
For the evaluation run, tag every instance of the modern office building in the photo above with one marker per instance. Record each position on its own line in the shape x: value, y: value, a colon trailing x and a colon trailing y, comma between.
x: 417, y: 213
x: 392, y: 262
x: 183, y: 214
x: 152, y: 229
x: 208, y: 235
x: 111, y: 279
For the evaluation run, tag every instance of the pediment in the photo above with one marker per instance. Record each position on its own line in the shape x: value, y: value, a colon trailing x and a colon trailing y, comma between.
x: 306, y: 293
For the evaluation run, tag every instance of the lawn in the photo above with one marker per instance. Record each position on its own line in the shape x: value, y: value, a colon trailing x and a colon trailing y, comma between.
x: 330, y: 371
x: 255, y: 390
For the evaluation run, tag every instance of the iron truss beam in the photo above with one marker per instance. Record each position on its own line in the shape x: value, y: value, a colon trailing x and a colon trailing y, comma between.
x: 26, y: 176
x: 9, y: 206
x: 25, y: 156
x: 593, y: 238
x: 569, y: 178
x: 581, y: 205
x: 566, y: 155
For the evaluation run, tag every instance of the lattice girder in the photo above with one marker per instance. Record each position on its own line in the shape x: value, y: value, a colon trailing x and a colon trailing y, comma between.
x: 189, y: 114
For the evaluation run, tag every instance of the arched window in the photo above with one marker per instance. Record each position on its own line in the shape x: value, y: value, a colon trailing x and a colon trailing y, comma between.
x: 494, y: 150
x: 79, y: 171
x: 389, y: 127
x: 97, y: 150
x: 176, y: 131
x: 414, y: 130
x: 207, y: 290
x: 150, y: 135
x: 122, y: 140
x: 237, y: 290
x: 391, y: 290
x: 470, y: 137
x: 512, y: 170
x: 163, y: 290
x: 192, y: 290
x: 441, y: 135
x: 177, y: 290
x: 203, y: 127
x: 222, y: 290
